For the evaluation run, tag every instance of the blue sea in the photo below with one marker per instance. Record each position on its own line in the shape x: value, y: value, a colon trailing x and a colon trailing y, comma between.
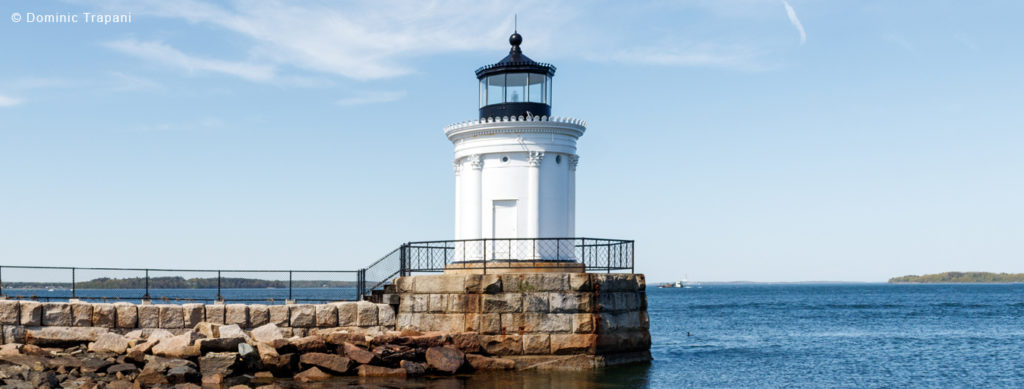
x: 799, y: 336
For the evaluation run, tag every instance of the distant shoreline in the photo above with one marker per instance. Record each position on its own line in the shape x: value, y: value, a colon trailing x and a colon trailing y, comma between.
x: 954, y: 277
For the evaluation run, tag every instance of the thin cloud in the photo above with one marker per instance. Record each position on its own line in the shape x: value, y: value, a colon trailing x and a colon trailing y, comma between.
x: 7, y: 101
x: 372, y: 98
x: 167, y: 55
x: 791, y: 13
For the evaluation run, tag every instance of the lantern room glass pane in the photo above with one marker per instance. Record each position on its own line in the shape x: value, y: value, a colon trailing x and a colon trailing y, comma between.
x: 515, y: 88
x: 548, y: 90
x: 483, y: 92
x: 495, y: 89
x: 535, y: 92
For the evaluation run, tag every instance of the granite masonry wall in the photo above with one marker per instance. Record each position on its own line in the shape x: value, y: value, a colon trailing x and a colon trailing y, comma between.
x: 19, y: 319
x: 540, y: 314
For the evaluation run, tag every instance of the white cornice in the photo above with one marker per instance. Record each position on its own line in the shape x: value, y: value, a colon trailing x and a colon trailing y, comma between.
x: 519, y: 125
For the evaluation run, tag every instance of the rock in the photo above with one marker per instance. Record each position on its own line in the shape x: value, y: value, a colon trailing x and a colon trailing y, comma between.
x: 502, y: 344
x: 303, y: 316
x: 262, y: 378
x: 330, y: 362
x: 341, y: 337
x: 178, y: 346
x: 309, y: 344
x: 250, y: 358
x: 326, y: 315
x: 103, y: 315
x: 366, y: 314
x: 127, y: 315
x: 537, y: 344
x: 149, y: 377
x: 347, y: 314
x: 380, y: 371
x: 218, y: 363
x: 109, y: 343
x: 63, y: 336
x: 233, y: 331
x: 412, y: 368
x: 219, y: 344
x: 573, y: 343
x: 266, y: 333
x: 490, y: 284
x: 43, y: 379
x: 480, y: 362
x: 158, y: 334
x: 385, y: 315
x: 215, y: 313
x: 171, y: 316
x: 31, y: 349
x: 466, y: 341
x: 81, y: 314
x: 31, y: 313
x: 192, y: 314
x: 312, y: 375
x: 149, y: 316
x: 503, y: 303
x: 57, y: 314
x: 123, y: 368
x: 279, y: 314
x: 207, y: 329
x: 189, y: 385
x: 9, y: 312
x: 182, y: 374
x: 357, y: 354
x: 93, y: 364
x: 10, y: 349
x: 237, y: 314
x: 213, y: 380
x: 259, y: 314
x: 14, y: 334
x: 445, y: 359
x: 427, y: 340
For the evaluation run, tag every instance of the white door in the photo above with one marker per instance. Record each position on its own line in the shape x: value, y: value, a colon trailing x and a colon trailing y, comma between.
x: 504, y: 222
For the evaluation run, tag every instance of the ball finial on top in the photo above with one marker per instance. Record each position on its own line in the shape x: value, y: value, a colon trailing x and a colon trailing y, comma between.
x: 515, y: 39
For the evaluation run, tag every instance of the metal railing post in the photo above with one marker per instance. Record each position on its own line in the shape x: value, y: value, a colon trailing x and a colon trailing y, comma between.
x: 401, y: 259
x: 289, y: 284
x: 146, y: 296
x: 360, y: 284
x: 1, y: 281
x: 219, y: 297
x: 484, y: 258
x: 73, y: 282
x: 632, y: 258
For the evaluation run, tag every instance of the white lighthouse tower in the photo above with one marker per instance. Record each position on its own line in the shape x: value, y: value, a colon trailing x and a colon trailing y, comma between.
x: 515, y: 169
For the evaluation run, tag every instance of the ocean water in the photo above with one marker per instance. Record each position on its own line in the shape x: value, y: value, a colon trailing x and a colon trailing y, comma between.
x: 811, y: 336
x: 795, y: 336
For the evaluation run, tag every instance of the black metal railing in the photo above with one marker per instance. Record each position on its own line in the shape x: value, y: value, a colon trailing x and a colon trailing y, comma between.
x: 167, y: 285
x: 595, y: 255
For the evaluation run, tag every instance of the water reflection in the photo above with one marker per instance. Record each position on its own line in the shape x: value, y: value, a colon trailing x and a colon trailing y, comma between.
x: 632, y: 376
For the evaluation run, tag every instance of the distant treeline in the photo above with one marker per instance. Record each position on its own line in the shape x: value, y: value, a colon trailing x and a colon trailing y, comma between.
x: 960, y: 277
x: 179, y: 283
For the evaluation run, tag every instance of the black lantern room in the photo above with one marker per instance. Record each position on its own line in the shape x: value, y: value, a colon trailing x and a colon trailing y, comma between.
x: 516, y: 85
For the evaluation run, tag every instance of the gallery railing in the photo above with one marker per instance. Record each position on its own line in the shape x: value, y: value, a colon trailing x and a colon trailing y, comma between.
x: 595, y: 255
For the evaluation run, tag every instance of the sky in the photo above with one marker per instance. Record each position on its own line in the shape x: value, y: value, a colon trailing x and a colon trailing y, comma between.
x: 733, y: 140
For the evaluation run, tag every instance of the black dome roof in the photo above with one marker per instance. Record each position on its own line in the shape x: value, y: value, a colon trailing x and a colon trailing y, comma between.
x: 515, y: 61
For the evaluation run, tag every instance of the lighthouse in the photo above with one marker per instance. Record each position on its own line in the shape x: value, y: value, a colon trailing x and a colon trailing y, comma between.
x: 515, y: 171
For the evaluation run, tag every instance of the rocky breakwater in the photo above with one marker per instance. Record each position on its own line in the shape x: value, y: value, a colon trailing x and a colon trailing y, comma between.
x: 226, y: 355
